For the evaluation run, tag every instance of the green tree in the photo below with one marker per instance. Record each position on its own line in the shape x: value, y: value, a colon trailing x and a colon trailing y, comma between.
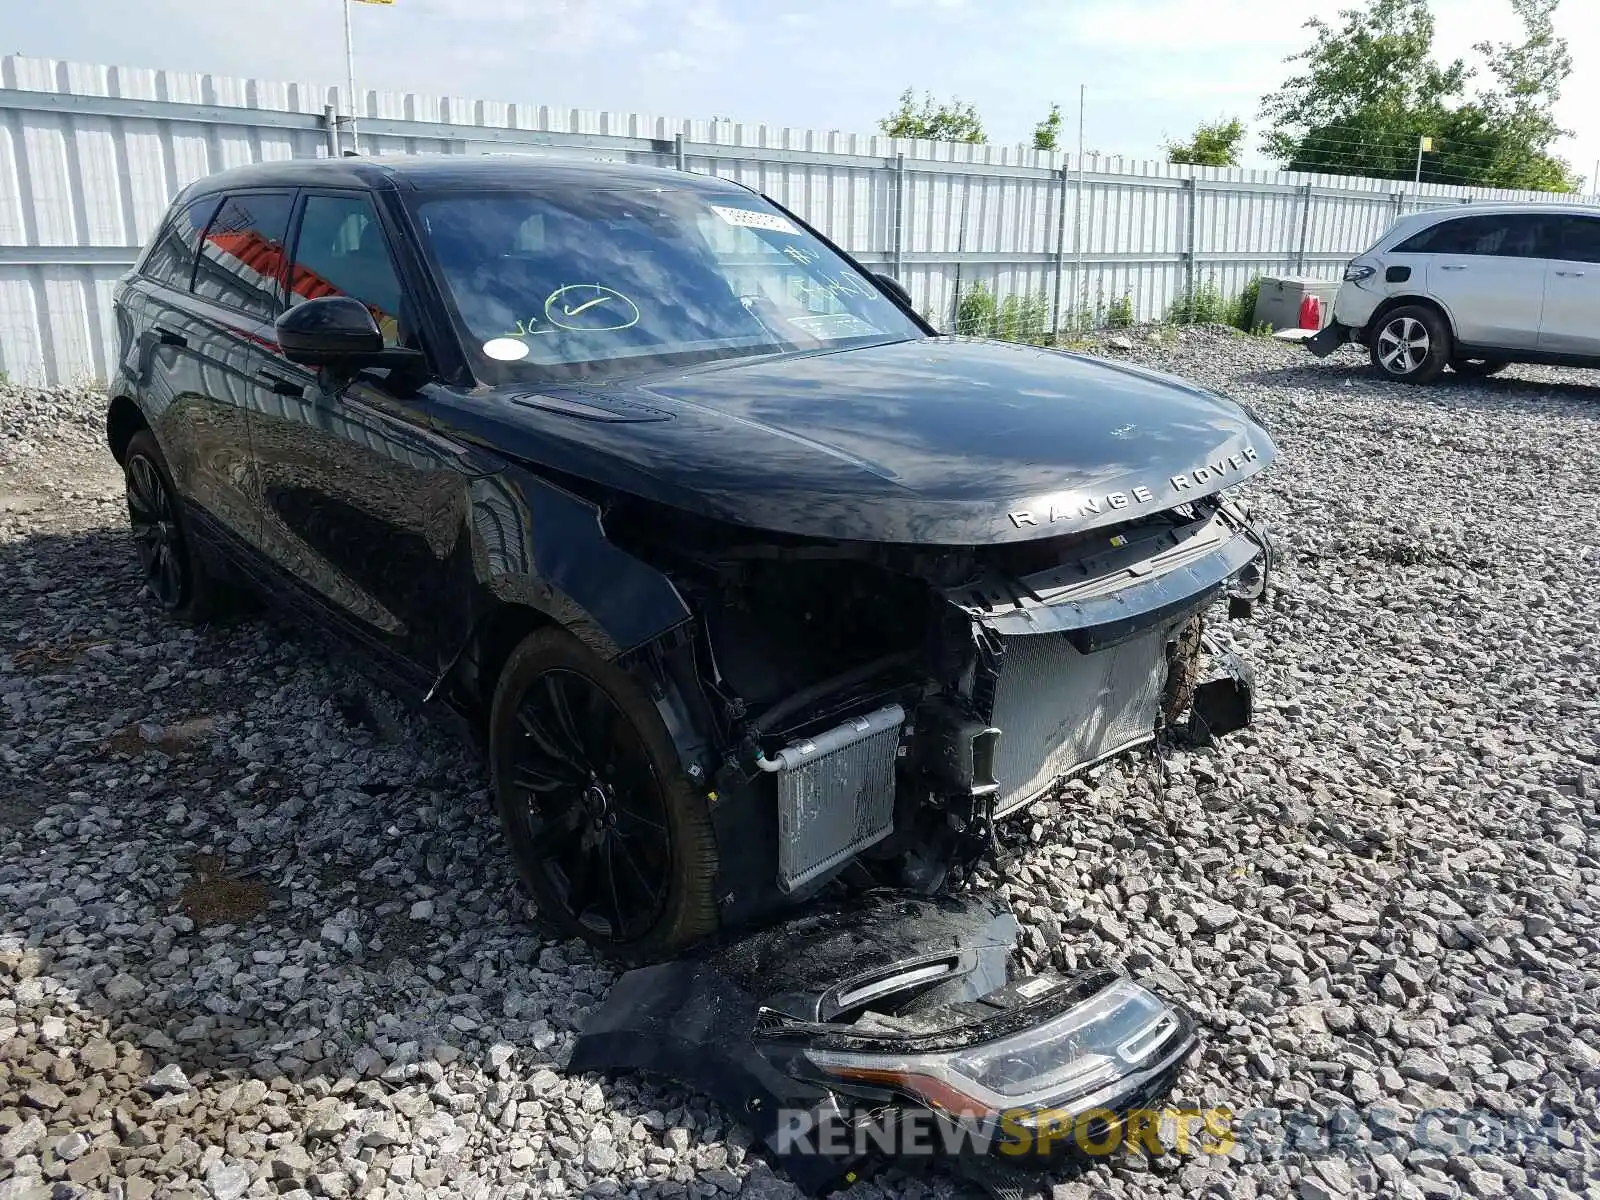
x: 1370, y: 90
x: 1213, y: 144
x: 1047, y: 133
x: 953, y: 122
x: 1521, y: 108
x: 1367, y: 92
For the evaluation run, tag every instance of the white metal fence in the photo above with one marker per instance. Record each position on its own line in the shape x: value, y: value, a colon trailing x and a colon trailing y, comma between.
x: 90, y: 156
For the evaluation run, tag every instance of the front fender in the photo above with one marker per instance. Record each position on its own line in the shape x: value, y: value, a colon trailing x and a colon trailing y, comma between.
x: 539, y: 545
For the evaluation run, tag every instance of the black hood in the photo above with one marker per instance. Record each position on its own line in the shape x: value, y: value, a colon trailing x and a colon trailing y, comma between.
x: 944, y: 440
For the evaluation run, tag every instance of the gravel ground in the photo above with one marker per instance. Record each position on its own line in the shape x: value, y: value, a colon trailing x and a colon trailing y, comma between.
x: 258, y: 934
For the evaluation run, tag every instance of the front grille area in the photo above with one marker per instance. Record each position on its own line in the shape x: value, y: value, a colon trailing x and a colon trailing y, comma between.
x: 836, y: 795
x: 1059, y: 710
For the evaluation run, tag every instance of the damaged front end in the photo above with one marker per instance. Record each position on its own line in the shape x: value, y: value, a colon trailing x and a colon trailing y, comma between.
x: 889, y: 1028
x: 868, y: 712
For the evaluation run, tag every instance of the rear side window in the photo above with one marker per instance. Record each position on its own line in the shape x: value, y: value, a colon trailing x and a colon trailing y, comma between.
x: 341, y: 251
x: 171, y: 259
x: 1502, y: 235
x: 241, y: 256
x: 1580, y: 239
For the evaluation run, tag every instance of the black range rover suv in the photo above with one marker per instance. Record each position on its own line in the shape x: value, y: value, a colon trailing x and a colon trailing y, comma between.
x: 749, y: 582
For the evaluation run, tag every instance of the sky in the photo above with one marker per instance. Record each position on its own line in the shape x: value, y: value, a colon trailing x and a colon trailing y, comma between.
x: 1153, y: 68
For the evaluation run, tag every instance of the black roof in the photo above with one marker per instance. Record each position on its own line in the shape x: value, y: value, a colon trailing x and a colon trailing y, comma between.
x: 449, y: 171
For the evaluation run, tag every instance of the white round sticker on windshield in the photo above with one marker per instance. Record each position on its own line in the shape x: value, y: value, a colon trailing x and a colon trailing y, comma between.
x: 506, y: 349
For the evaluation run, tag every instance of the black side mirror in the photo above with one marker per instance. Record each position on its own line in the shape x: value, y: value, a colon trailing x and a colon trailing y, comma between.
x: 892, y: 284
x: 330, y: 331
x: 339, y: 334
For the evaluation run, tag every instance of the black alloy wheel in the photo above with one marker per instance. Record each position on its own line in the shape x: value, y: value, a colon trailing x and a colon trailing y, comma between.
x: 611, y: 837
x: 171, y: 571
x: 592, y: 807
x: 152, y: 515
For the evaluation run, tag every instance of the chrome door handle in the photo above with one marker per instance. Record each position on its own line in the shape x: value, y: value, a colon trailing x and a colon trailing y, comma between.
x: 1570, y: 274
x: 1452, y: 267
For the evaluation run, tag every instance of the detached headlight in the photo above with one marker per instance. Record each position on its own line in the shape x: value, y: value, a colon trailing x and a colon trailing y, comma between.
x: 1357, y: 272
x: 1076, y: 1059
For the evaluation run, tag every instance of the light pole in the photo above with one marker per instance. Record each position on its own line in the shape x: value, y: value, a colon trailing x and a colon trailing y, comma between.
x: 1077, y: 214
x: 1423, y: 143
x: 350, y: 77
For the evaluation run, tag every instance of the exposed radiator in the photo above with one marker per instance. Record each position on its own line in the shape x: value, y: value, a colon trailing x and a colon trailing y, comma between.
x: 1059, y: 710
x: 836, y: 794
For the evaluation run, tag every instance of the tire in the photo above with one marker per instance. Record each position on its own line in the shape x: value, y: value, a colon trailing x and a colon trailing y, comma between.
x: 1478, y: 368
x: 610, y: 837
x: 174, y: 573
x: 1411, y: 344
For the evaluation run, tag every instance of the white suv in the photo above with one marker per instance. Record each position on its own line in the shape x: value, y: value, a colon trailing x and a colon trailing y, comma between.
x: 1474, y: 288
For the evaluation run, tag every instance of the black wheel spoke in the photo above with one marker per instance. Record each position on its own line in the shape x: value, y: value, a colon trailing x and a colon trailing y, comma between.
x: 547, y: 776
x: 561, y: 713
x: 141, y: 489
x: 549, y: 744
x: 597, y: 728
x: 618, y: 925
x: 634, y: 817
x: 580, y: 885
x: 645, y: 886
x: 171, y: 582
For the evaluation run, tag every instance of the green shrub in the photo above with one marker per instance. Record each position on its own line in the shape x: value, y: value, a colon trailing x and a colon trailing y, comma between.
x: 975, y: 312
x: 1008, y: 326
x: 1203, y: 306
x: 1244, y: 308
x: 1120, y: 314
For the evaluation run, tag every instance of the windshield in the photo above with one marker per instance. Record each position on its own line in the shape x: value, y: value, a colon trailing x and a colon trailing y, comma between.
x: 568, y: 279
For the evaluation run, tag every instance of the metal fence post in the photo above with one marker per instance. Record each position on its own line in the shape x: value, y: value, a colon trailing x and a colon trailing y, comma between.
x: 899, y: 214
x: 330, y: 121
x: 682, y: 159
x: 1305, y: 228
x: 1399, y: 199
x: 1061, y: 251
x: 1191, y: 194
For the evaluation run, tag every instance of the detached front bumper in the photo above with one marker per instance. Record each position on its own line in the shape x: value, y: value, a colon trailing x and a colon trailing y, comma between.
x: 892, y: 1030
x: 1329, y: 339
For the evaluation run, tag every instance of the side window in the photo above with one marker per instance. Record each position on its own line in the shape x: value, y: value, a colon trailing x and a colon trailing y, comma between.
x: 1580, y: 239
x: 171, y: 259
x: 1527, y: 235
x: 1504, y: 235
x: 1431, y: 240
x: 241, y: 256
x: 341, y: 252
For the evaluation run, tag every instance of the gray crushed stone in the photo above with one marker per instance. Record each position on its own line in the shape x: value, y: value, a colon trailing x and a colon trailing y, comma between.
x: 259, y: 936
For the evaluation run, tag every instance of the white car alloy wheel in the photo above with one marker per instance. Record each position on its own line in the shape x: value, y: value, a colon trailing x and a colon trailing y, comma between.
x: 1403, y: 345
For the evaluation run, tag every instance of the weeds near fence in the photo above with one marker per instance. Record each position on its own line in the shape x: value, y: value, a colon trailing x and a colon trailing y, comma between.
x: 1025, y: 316
x: 1203, y: 305
x: 976, y: 312
x: 1244, y: 307
x: 1017, y: 318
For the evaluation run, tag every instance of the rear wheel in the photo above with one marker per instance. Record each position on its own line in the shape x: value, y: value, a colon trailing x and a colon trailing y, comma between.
x: 1411, y: 344
x: 1478, y: 367
x: 610, y: 836
x: 173, y: 572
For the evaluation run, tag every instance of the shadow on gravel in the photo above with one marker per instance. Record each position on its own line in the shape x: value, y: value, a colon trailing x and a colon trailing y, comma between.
x: 223, y: 851
x: 1494, y: 394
